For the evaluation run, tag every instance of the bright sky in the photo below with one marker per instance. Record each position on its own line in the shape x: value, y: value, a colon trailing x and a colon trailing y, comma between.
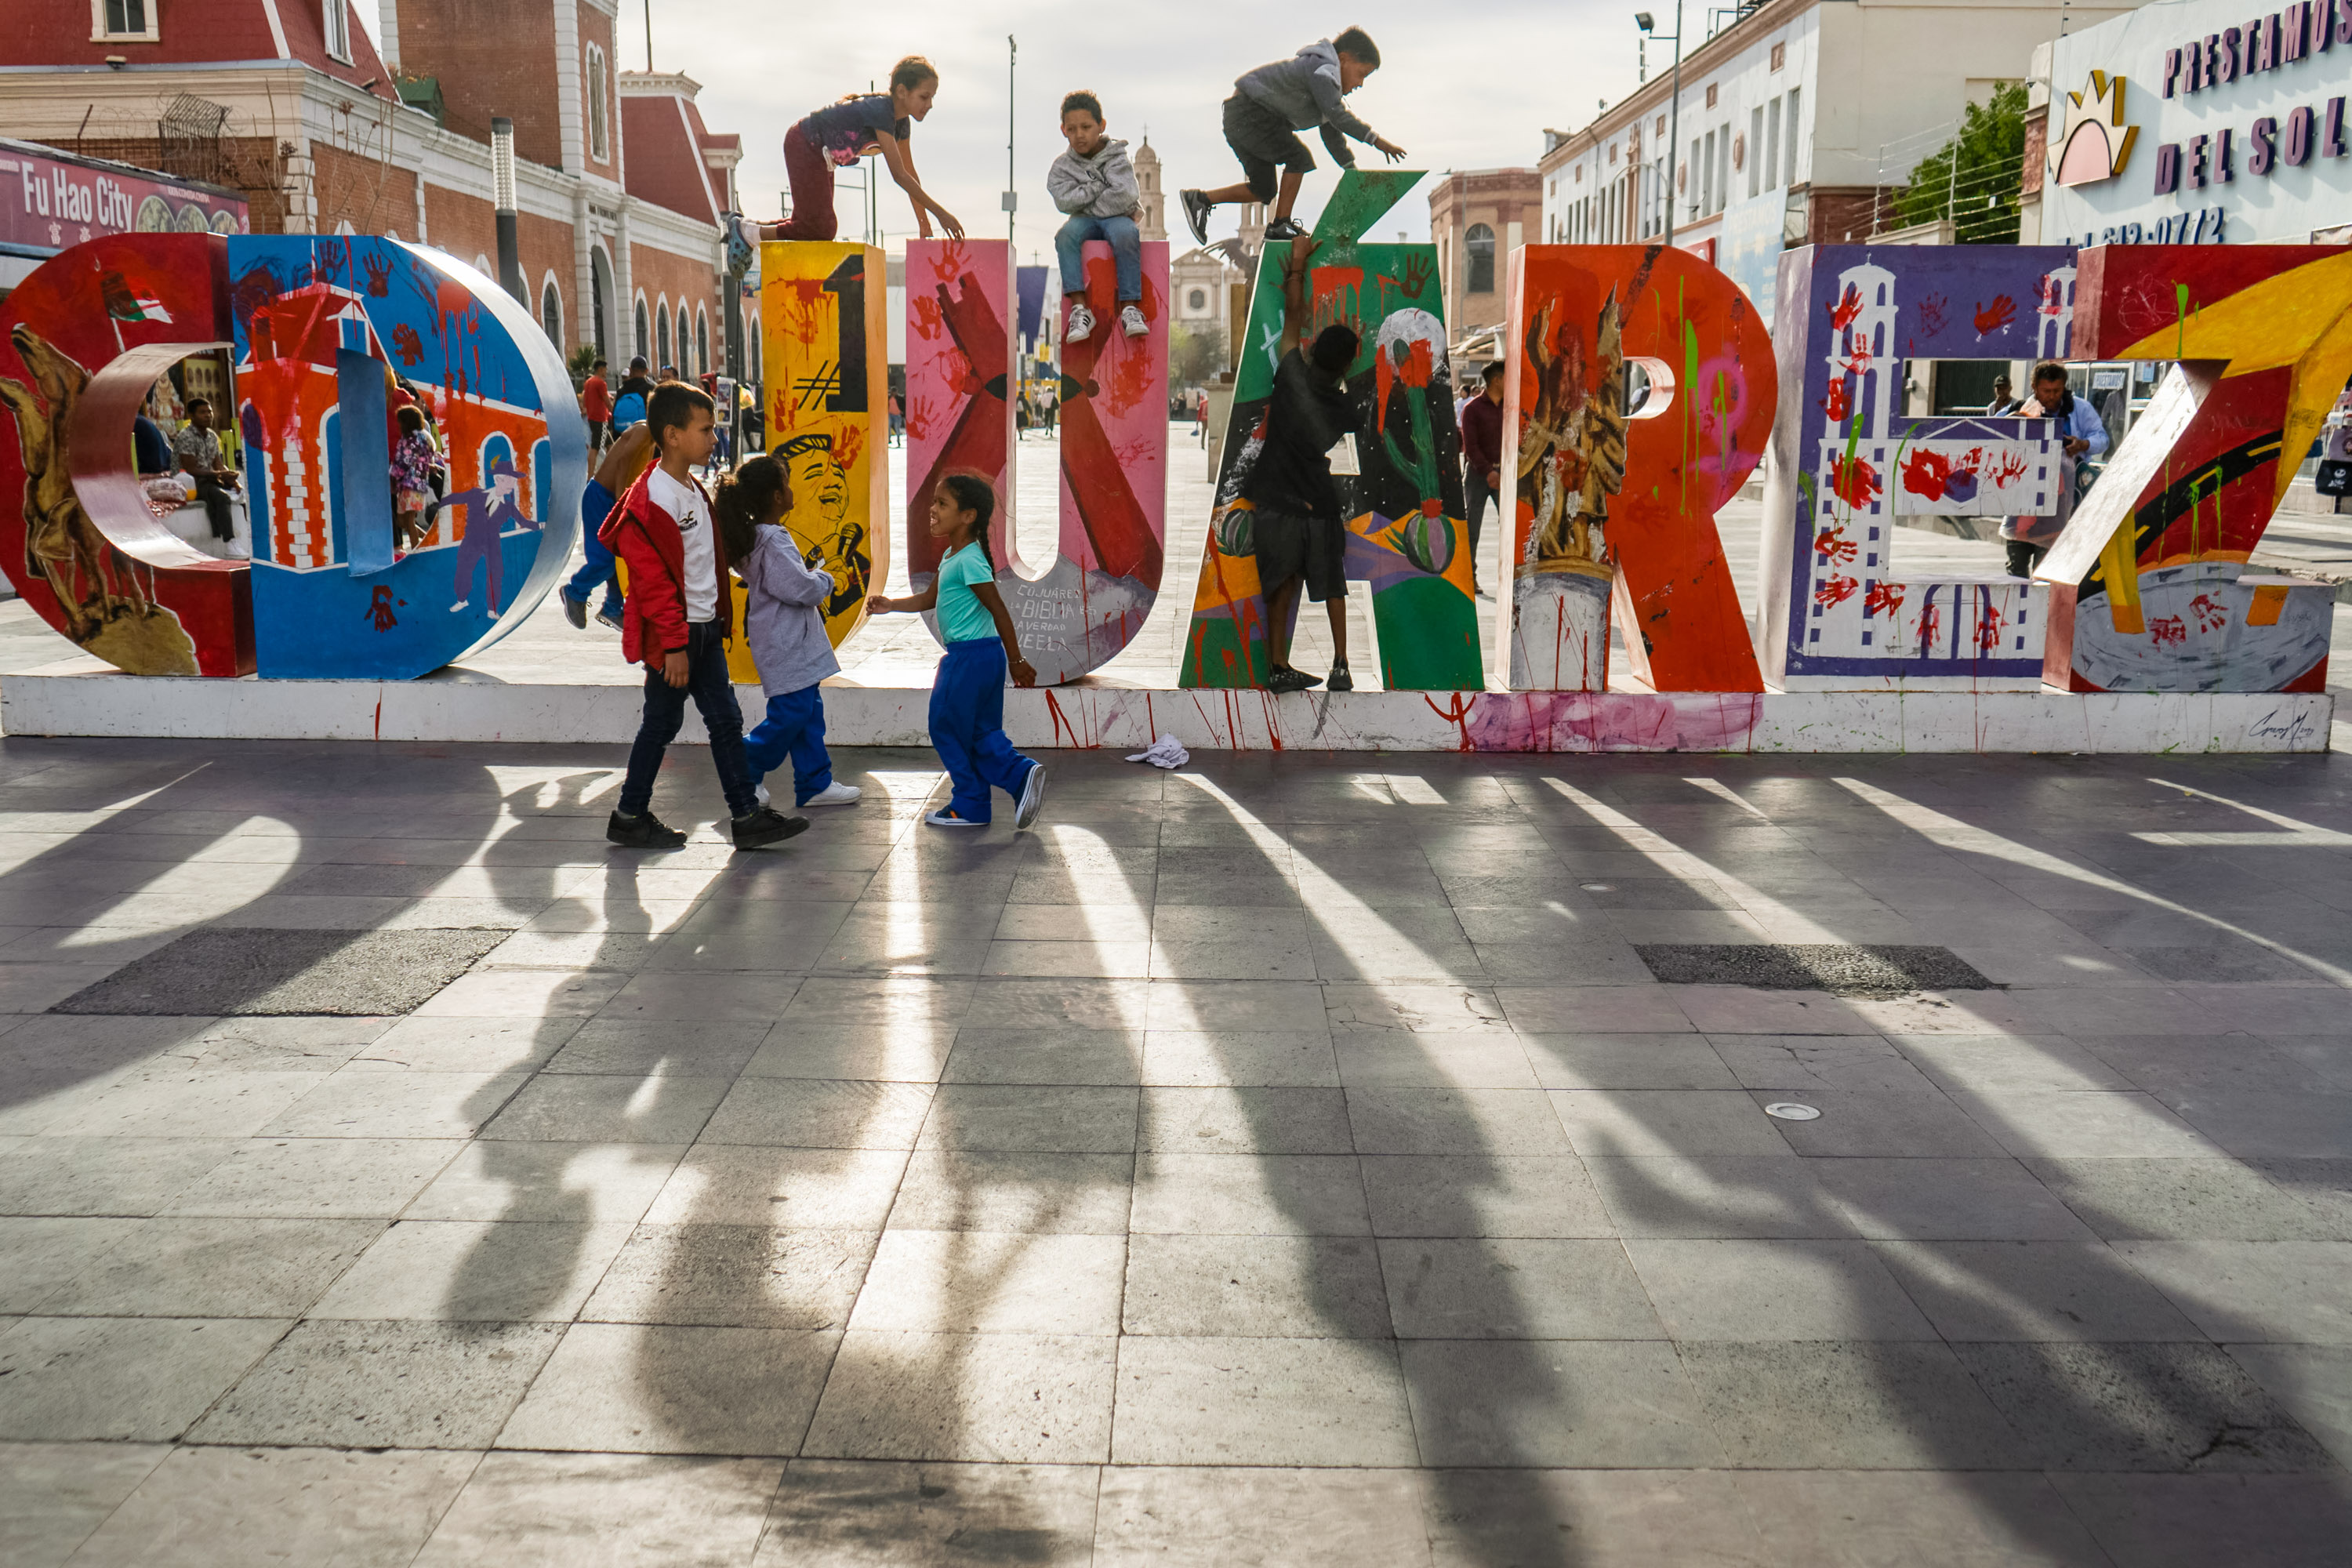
x: 1454, y: 89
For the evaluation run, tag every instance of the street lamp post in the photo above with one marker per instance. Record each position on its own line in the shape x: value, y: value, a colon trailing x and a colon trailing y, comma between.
x: 1012, y: 180
x: 503, y: 195
x: 1642, y: 20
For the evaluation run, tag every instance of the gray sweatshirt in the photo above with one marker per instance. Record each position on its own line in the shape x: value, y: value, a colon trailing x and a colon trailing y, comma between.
x: 1304, y: 91
x: 781, y: 615
x: 1101, y: 186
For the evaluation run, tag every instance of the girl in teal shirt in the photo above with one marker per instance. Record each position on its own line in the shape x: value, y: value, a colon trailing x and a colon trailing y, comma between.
x: 968, y: 694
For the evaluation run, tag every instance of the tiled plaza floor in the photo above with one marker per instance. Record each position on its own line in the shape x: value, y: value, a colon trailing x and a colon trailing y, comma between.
x: 1289, y: 1162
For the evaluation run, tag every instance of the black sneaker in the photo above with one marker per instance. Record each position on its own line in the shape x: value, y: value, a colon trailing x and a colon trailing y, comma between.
x: 1197, y: 208
x: 761, y: 827
x: 1283, y: 228
x: 646, y: 832
x: 1340, y: 680
x: 575, y: 611
x: 1289, y: 679
x: 608, y: 617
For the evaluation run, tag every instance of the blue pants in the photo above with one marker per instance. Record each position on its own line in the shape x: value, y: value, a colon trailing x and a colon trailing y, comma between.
x: 795, y: 727
x: 595, y: 506
x: 1126, y: 251
x: 708, y: 686
x: 967, y: 727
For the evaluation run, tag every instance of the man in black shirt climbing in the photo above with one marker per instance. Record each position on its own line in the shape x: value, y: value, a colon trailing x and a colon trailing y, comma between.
x: 1300, y: 539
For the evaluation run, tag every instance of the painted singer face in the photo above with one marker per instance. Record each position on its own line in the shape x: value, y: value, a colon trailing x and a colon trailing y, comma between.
x: 816, y: 474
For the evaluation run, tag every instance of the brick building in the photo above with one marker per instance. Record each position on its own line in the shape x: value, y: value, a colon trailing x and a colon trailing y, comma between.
x: 1476, y: 219
x: 619, y: 185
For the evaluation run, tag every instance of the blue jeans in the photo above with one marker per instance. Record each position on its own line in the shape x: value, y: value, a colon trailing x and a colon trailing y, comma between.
x: 714, y: 694
x: 595, y: 506
x: 1126, y: 251
x: 794, y: 727
x: 967, y: 727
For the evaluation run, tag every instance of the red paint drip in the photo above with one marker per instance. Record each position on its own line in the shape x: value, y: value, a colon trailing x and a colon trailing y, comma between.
x: 1063, y: 723
x: 1457, y: 713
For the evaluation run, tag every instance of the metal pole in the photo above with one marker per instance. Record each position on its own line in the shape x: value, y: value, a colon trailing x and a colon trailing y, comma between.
x: 503, y: 197
x: 649, y: 37
x: 1012, y: 181
x: 1675, y: 123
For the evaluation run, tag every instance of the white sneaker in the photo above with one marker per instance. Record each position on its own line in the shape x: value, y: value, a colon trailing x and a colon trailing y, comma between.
x: 1130, y: 319
x: 944, y: 817
x: 835, y: 793
x: 1082, y: 324
x: 1033, y: 795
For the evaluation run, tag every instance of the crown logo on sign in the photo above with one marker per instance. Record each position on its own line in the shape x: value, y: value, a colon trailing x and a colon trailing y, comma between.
x: 2098, y: 144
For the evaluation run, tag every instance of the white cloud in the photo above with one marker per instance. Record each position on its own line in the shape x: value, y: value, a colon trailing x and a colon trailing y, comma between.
x: 1462, y: 87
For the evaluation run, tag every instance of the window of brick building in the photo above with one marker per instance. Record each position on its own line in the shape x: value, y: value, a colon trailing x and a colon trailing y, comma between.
x: 122, y: 21
x: 662, y: 360
x: 1479, y: 243
x: 337, y: 16
x: 599, y: 90
x: 645, y: 340
x: 551, y: 312
x: 701, y: 341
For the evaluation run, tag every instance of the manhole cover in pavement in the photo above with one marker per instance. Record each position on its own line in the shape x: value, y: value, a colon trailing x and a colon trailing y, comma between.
x: 230, y: 972
x: 1847, y: 970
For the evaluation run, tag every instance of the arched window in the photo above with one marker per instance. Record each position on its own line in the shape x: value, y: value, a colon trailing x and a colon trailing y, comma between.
x: 598, y: 90
x: 1198, y: 299
x: 701, y: 341
x: 551, y: 312
x: 493, y: 448
x: 600, y: 302
x: 645, y: 340
x: 661, y: 337
x: 1480, y: 243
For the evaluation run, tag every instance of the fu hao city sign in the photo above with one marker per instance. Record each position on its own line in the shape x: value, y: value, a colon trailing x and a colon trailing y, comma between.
x: 2189, y: 122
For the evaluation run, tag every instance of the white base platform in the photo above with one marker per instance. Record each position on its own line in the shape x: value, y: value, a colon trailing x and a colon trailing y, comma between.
x: 1126, y: 719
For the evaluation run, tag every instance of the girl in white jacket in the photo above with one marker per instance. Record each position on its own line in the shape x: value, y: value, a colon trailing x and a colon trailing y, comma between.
x: 785, y: 626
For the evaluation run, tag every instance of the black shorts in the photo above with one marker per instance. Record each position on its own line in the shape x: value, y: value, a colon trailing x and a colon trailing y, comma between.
x: 1262, y: 142
x: 1313, y: 548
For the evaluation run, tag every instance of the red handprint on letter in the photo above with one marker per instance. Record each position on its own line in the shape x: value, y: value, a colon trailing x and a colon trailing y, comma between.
x: 1992, y: 318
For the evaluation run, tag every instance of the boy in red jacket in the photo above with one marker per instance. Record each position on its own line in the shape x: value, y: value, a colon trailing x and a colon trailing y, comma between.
x: 677, y: 623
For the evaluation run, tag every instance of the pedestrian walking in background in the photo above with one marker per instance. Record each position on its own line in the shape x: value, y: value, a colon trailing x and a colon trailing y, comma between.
x: 2083, y: 434
x: 1481, y: 459
x: 597, y: 407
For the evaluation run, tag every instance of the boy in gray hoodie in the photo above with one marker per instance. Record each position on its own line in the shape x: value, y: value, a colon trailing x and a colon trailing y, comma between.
x: 785, y: 626
x: 1270, y: 106
x: 1095, y: 185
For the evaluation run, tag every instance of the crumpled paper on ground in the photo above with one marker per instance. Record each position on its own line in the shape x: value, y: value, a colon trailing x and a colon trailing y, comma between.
x: 1167, y: 752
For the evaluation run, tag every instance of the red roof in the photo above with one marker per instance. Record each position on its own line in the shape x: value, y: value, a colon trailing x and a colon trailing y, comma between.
x: 664, y: 135
x: 194, y: 32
